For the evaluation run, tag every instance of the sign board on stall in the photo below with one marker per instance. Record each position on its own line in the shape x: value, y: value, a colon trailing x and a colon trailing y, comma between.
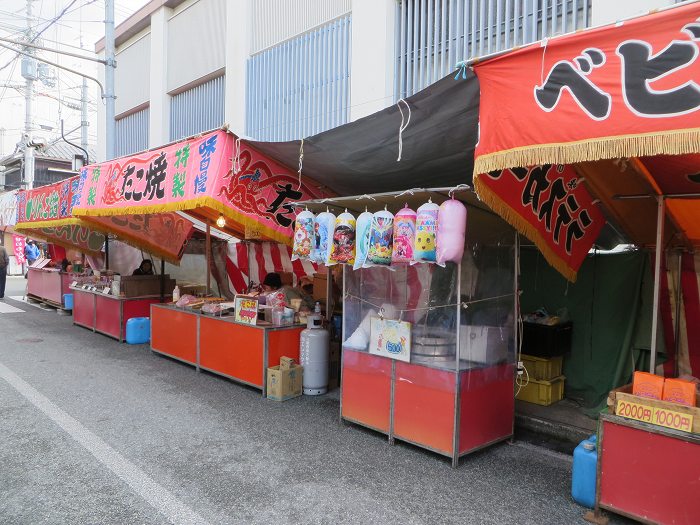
x: 246, y: 310
x: 390, y: 338
x: 655, y: 415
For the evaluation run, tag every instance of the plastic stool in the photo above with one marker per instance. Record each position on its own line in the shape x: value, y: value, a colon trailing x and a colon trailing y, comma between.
x: 138, y: 330
x: 68, y: 301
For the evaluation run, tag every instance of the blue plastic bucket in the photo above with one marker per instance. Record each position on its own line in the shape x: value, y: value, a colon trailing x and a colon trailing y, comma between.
x: 138, y: 330
x: 68, y: 301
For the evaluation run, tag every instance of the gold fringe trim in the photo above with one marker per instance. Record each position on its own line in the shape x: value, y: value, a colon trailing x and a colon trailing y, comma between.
x: 55, y: 223
x: 513, y: 218
x: 185, y: 205
x: 678, y: 142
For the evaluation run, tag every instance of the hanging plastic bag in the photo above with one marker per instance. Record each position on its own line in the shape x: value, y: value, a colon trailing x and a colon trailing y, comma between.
x: 381, y: 239
x: 343, y: 239
x: 324, y: 223
x: 303, y: 236
x: 404, y: 235
x: 362, y: 227
x: 426, y: 230
x: 452, y: 227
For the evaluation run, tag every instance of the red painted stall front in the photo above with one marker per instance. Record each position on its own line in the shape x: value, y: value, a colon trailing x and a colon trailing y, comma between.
x: 48, y: 285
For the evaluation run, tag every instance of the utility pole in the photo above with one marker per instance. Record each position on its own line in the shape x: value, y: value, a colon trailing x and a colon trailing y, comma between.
x: 29, y: 72
x: 110, y: 132
x: 83, y: 108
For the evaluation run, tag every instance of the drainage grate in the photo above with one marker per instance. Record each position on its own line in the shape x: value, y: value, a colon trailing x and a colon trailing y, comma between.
x: 30, y: 340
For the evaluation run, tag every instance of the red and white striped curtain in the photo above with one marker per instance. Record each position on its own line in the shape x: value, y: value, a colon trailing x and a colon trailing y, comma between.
x: 248, y: 262
x: 688, y: 356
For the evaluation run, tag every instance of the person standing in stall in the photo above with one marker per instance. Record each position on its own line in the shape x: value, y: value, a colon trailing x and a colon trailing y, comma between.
x: 31, y: 251
x: 4, y: 263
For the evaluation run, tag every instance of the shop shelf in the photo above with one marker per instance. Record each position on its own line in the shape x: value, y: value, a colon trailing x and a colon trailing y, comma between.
x: 539, y: 368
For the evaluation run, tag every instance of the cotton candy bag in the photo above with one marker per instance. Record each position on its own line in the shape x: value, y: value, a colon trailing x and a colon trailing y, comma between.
x: 404, y: 235
x: 451, y: 233
x: 343, y: 239
x: 362, y: 228
x: 426, y: 231
x: 324, y: 224
x: 381, y: 239
x: 303, y: 236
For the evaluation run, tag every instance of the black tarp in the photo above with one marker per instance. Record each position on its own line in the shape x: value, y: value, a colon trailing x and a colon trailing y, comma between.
x: 360, y: 157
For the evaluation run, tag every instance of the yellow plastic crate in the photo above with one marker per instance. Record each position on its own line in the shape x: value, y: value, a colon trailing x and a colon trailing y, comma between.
x: 540, y: 368
x: 543, y: 392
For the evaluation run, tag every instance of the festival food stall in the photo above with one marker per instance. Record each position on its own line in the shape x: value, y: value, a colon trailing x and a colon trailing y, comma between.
x: 247, y: 198
x: 633, y: 91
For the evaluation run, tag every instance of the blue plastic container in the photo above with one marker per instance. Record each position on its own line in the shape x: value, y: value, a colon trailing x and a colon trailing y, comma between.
x: 583, y: 476
x: 138, y: 330
x: 68, y: 301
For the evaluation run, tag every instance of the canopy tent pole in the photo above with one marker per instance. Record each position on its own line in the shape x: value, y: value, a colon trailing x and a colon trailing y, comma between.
x: 162, y: 280
x: 661, y: 208
x: 106, y: 252
x: 677, y: 327
x: 208, y: 250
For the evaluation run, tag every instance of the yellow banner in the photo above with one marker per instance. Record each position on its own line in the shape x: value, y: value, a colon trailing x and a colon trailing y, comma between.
x: 655, y: 415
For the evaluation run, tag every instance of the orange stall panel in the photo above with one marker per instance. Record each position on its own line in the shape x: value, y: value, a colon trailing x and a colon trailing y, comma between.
x: 424, y: 406
x: 232, y: 349
x: 174, y: 333
x: 366, y: 392
x: 283, y: 342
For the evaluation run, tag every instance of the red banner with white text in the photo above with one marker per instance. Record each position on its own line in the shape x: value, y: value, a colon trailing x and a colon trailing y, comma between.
x: 548, y: 204
x: 629, y: 89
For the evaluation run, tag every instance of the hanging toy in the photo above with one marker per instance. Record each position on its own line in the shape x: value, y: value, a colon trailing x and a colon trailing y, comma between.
x: 344, y: 239
x: 362, y: 227
x: 452, y: 226
x: 303, y: 236
x: 404, y: 235
x: 426, y: 230
x: 381, y: 239
x: 324, y: 223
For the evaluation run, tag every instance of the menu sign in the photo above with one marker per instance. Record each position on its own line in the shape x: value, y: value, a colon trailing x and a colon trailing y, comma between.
x: 390, y: 338
x: 246, y: 310
x: 655, y: 415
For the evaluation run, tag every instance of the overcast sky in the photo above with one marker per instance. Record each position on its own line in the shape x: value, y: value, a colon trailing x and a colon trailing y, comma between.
x: 82, y: 21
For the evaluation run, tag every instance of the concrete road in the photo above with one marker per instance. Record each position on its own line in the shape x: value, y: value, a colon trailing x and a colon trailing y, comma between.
x: 93, y: 431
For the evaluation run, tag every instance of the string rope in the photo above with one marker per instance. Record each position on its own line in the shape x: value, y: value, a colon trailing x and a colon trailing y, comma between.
x: 403, y: 126
x: 301, y: 161
x: 463, y: 304
x: 237, y: 157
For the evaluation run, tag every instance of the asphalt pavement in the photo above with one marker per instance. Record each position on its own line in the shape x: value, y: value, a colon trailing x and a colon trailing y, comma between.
x: 94, y: 431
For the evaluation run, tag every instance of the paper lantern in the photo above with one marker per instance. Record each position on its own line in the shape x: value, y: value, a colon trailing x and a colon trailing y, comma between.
x: 381, y: 238
x: 452, y: 226
x: 343, y: 239
x: 303, y: 235
x: 362, y: 227
x: 404, y: 235
x: 426, y: 231
x: 324, y: 223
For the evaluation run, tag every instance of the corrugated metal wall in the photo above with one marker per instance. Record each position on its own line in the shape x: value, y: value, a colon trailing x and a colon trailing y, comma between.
x: 132, y: 133
x: 198, y: 109
x: 278, y: 20
x: 433, y: 35
x: 300, y: 87
x: 196, y: 42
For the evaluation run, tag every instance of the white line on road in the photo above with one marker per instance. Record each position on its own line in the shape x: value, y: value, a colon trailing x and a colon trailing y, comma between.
x: 157, y: 496
x: 7, y: 309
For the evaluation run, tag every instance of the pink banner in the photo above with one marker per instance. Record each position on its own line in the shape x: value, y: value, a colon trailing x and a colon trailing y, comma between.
x: 198, y: 175
x: 18, y: 243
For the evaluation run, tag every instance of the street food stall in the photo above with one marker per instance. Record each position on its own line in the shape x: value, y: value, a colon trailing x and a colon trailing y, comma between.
x: 221, y: 181
x: 633, y: 90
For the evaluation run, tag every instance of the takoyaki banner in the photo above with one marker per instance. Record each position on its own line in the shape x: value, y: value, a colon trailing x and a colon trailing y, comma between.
x: 210, y: 174
x: 630, y: 89
x: 550, y: 205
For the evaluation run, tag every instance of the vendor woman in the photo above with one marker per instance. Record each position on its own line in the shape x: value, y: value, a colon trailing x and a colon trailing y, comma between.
x: 145, y: 268
x: 273, y: 283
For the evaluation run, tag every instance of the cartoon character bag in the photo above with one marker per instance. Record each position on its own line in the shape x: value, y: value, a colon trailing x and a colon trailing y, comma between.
x: 452, y: 225
x: 362, y: 227
x: 324, y: 225
x: 343, y: 239
x: 303, y: 236
x: 404, y: 235
x: 426, y: 230
x: 381, y: 239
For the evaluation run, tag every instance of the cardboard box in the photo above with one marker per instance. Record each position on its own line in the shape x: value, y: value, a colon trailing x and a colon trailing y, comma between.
x: 284, y: 384
x: 286, y: 363
x: 320, y: 287
x: 287, y: 278
x: 647, y: 385
x: 680, y: 391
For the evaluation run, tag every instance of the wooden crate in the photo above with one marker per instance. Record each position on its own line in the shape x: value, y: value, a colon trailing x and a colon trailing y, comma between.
x: 624, y: 393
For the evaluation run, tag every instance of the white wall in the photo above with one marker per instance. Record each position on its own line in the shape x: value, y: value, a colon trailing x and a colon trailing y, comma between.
x: 372, y: 56
x: 238, y: 41
x: 132, y: 78
x: 159, y: 114
x: 609, y: 11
